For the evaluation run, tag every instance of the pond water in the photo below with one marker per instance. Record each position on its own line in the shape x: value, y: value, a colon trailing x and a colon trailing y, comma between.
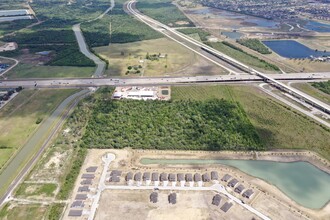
x: 232, y: 34
x: 293, y: 49
x: 317, y: 26
x: 301, y: 181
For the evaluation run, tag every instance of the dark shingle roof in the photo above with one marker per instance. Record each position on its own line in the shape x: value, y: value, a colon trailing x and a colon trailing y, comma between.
x: 115, y: 173
x: 180, y: 177
x: 137, y: 176
x: 88, y: 176
x: 197, y: 177
x: 114, y: 179
x: 248, y: 193
x: 75, y: 213
x: 129, y: 176
x: 154, y: 176
x: 76, y: 204
x: 172, y: 177
x: 189, y: 177
x: 239, y: 188
x: 206, y: 177
x: 163, y: 177
x: 81, y: 197
x: 233, y: 182
x: 226, y: 177
x: 214, y: 175
x: 172, y: 198
x: 86, y: 182
x: 83, y: 189
x: 146, y: 176
x: 154, y: 197
x: 91, y: 169
x: 216, y: 200
x: 226, y: 206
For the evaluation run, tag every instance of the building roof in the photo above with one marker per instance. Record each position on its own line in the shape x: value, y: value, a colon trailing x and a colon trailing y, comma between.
x: 216, y: 200
x: 233, y: 182
x: 77, y: 203
x: 155, y: 176
x: 163, y: 177
x: 83, y: 189
x: 214, y: 175
x: 248, y: 193
x: 197, y: 177
x: 137, y: 176
x: 189, y: 177
x: 141, y: 93
x: 180, y: 177
x: 91, y: 169
x: 172, y: 177
x: 86, y: 182
x: 115, y: 173
x: 206, y: 177
x: 239, y: 188
x: 75, y: 213
x: 146, y: 176
x: 154, y: 197
x: 226, y: 206
x: 81, y: 197
x: 88, y: 176
x: 226, y: 177
x: 114, y: 179
x: 129, y: 176
x: 172, y: 198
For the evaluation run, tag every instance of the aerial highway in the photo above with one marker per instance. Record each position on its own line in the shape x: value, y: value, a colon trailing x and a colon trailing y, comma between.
x: 174, y: 34
x: 95, y: 82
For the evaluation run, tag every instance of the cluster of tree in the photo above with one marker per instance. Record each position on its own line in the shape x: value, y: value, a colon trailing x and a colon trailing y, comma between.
x: 165, y: 12
x: 323, y: 86
x: 202, y: 125
x: 203, y: 35
x: 254, y: 44
x: 10, y: 26
x: 133, y: 69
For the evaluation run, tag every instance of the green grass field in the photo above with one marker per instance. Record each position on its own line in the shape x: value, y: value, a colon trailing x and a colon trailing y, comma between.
x: 311, y: 90
x: 277, y: 126
x: 28, y: 189
x: 243, y: 57
x: 121, y: 56
x: 35, y: 71
x: 23, y: 211
x: 18, y: 118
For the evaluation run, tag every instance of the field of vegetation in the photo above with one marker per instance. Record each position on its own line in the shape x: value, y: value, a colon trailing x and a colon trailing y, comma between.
x: 313, y: 91
x: 323, y: 86
x: 18, y: 118
x: 203, y: 35
x: 255, y: 44
x: 237, y: 53
x: 164, y: 11
x: 124, y: 29
x: 278, y: 126
x: 182, y: 124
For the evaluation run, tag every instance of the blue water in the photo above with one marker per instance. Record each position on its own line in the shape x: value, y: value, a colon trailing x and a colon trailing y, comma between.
x: 317, y: 26
x: 293, y: 49
x: 301, y: 181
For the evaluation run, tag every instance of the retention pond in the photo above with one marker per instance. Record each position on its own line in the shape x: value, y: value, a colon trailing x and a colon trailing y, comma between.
x: 301, y: 181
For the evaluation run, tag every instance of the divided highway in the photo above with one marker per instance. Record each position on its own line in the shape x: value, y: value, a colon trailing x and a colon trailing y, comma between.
x: 170, y: 32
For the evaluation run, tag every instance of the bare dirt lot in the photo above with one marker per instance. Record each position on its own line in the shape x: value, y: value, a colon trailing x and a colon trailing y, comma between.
x: 190, y: 205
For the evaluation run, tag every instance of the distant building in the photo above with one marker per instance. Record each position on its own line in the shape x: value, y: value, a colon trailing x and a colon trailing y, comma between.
x: 172, y: 198
x: 171, y: 177
x: 226, y: 177
x: 180, y: 177
x: 233, y: 182
x: 86, y: 182
x: 137, y: 176
x: 91, y: 169
x: 75, y: 213
x: 154, y: 197
x: 146, y: 176
x: 248, y: 193
x: 88, y: 176
x: 189, y: 177
x: 155, y: 176
x: 81, y: 197
x: 197, y: 177
x: 226, y: 206
x: 129, y: 176
x: 214, y: 175
x: 83, y: 189
x: 77, y: 204
x: 239, y: 189
x: 163, y: 177
x: 216, y: 200
x: 206, y: 177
